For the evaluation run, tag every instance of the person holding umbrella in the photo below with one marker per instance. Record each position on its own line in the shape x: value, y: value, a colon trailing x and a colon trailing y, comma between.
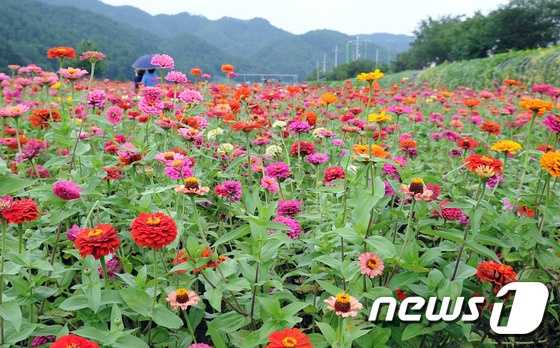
x: 144, y: 71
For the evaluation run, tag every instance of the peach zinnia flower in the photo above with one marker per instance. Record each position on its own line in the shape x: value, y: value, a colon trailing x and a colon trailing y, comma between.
x: 417, y: 190
x: 192, y: 187
x: 371, y: 265
x: 182, y: 299
x: 344, y: 305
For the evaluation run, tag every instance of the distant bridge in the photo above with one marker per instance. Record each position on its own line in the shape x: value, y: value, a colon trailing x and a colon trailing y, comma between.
x: 265, y: 77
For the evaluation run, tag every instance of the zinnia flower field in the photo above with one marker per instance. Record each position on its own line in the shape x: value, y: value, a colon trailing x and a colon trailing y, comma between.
x: 220, y: 214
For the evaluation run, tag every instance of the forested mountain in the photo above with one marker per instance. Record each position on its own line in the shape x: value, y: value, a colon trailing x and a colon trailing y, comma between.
x: 30, y: 27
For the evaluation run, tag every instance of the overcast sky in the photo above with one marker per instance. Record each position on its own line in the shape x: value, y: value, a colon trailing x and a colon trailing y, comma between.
x: 299, y: 16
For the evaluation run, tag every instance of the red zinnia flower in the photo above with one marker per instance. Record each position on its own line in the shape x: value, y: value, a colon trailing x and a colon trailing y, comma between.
x: 303, y: 148
x: 292, y: 338
x: 98, y: 241
x: 495, y: 273
x: 491, y: 127
x: 21, y: 211
x: 333, y: 173
x: 153, y: 230
x: 40, y: 118
x: 467, y: 143
x: 61, y: 52
x: 73, y: 341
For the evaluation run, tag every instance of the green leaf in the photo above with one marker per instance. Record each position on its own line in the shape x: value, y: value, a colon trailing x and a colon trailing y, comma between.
x: 166, y: 318
x: 92, y: 333
x: 382, y: 246
x: 328, y: 332
x: 138, y: 300
x: 12, y: 184
x: 12, y: 313
x: 412, y: 330
x: 116, y: 319
x: 74, y: 303
x: 214, y: 297
x: 129, y: 341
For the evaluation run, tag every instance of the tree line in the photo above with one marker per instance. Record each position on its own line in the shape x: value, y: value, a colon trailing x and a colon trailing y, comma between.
x: 518, y: 25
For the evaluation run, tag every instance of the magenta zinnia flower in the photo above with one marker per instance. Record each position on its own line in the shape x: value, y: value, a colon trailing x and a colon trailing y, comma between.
x: 289, y: 207
x: 317, y: 158
x: 66, y: 190
x: 230, y: 190
x: 294, y: 228
x: 552, y: 122
x: 278, y: 170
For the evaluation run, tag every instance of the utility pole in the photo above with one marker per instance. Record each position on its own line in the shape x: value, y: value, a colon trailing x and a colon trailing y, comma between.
x: 335, y: 56
x: 348, y: 51
x: 317, y: 69
x: 376, y: 56
x: 324, y: 63
x: 357, y: 47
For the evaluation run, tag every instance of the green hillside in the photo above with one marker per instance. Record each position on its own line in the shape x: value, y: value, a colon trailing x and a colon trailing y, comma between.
x: 530, y: 66
x: 29, y: 28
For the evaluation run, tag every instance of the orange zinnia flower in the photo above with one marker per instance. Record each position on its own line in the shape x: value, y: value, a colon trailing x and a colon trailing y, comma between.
x: 537, y: 106
x: 483, y: 166
x: 328, y: 98
x: 227, y: 69
x: 61, y: 52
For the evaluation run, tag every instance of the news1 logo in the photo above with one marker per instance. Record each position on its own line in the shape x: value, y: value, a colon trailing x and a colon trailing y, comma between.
x: 526, y: 314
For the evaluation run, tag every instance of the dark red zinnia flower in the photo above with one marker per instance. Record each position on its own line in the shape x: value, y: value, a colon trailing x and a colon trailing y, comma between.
x: 73, y: 341
x: 98, y: 241
x: 303, y: 148
x: 153, y: 230
x: 333, y: 173
x: 21, y: 211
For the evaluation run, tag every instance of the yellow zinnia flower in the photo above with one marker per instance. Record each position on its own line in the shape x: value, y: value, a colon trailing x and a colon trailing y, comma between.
x: 370, y: 76
x: 507, y: 146
x: 379, y: 118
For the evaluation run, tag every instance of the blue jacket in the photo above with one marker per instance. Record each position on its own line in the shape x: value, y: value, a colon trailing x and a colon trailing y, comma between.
x: 149, y: 79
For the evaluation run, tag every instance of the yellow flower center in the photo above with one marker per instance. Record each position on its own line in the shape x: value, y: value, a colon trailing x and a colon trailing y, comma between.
x: 153, y: 221
x: 95, y: 232
x: 191, y: 183
x: 289, y: 342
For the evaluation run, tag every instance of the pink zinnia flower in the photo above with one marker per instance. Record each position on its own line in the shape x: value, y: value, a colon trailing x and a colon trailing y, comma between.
x: 317, y: 158
x: 270, y: 184
x: 371, y: 265
x: 278, y: 170
x: 344, y: 305
x: 182, y: 299
x: 114, y: 115
x: 73, y: 232
x: 200, y: 345
x: 66, y: 190
x: 163, y: 61
x: 97, y: 98
x: 176, y: 77
x: 190, y: 96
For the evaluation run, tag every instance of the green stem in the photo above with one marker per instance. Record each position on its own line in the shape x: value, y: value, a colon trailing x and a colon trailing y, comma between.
x: 462, y: 248
x: 2, y: 254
